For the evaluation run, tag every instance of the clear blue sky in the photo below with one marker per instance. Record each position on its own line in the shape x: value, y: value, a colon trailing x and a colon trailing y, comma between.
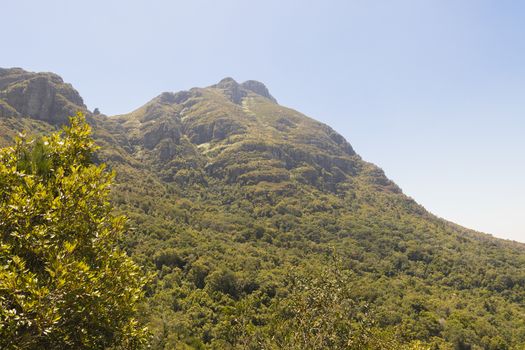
x: 431, y: 91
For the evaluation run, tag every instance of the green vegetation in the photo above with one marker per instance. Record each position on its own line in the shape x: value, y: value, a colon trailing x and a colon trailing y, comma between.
x: 265, y: 230
x: 64, y: 284
x: 228, y: 198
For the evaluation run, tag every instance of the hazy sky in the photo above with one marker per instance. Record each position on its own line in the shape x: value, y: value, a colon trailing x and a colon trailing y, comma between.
x: 431, y: 91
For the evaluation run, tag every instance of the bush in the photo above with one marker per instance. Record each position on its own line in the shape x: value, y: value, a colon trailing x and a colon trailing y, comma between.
x: 64, y: 284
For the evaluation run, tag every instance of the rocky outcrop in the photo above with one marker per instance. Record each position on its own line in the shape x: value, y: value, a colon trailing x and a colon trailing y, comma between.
x: 41, y: 96
x: 216, y: 130
x: 6, y: 110
x: 236, y: 92
x: 258, y: 88
x: 155, y: 133
x: 231, y: 89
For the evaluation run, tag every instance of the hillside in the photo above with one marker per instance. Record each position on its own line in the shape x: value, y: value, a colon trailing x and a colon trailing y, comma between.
x: 228, y: 192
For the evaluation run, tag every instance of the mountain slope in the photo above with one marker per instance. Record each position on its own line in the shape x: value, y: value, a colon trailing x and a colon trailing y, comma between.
x: 228, y: 192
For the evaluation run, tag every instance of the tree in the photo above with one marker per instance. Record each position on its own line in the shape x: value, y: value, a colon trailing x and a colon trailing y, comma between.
x: 64, y: 283
x: 318, y: 312
x: 321, y: 313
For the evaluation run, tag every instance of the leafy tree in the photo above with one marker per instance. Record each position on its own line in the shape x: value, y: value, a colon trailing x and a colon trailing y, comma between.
x: 64, y: 283
x: 321, y: 313
x: 318, y: 312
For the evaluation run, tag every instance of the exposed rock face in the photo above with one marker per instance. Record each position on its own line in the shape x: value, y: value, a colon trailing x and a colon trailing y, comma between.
x: 232, y: 89
x: 178, y: 98
x: 158, y: 132
x: 258, y: 88
x: 237, y: 92
x: 41, y: 96
x: 215, y: 131
x: 6, y: 110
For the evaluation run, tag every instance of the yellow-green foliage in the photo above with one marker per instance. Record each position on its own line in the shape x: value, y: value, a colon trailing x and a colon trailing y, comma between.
x: 64, y: 284
x: 228, y: 197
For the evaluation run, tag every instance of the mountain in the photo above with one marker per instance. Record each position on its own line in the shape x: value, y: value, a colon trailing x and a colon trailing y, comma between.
x: 34, y: 101
x: 227, y: 192
x: 41, y: 96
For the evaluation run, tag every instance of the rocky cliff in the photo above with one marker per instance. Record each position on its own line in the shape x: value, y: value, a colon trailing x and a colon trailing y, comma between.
x: 41, y: 96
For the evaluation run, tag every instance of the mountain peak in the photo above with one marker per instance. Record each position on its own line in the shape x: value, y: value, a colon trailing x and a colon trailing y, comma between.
x: 226, y: 82
x: 236, y: 92
x: 232, y: 89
